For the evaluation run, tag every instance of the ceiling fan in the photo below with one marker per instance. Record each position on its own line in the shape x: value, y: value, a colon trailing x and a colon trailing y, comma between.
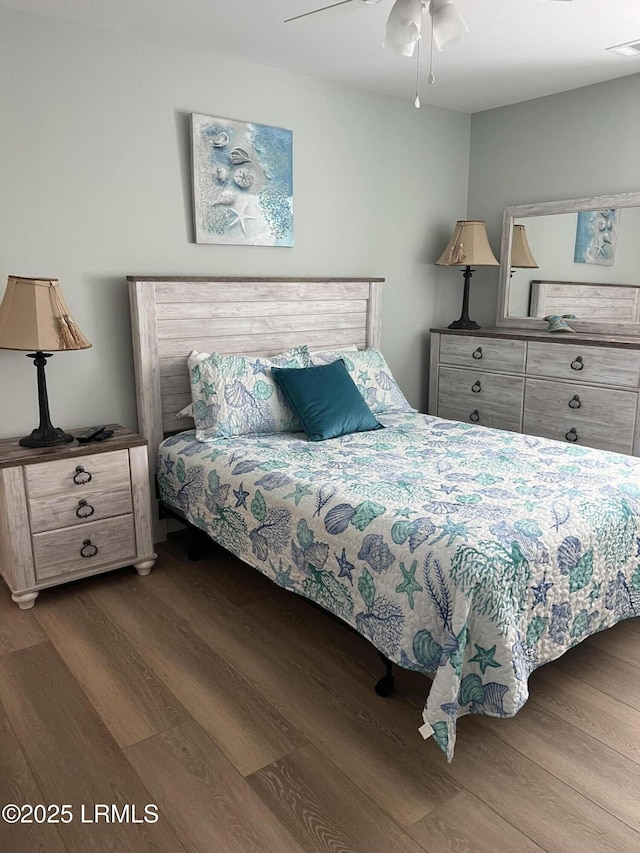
x: 342, y: 3
x: 404, y: 27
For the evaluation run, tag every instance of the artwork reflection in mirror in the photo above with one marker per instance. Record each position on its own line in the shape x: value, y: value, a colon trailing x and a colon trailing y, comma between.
x: 553, y: 241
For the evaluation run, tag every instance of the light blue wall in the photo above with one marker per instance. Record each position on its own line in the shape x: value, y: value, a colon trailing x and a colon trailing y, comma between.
x: 572, y: 145
x: 95, y: 185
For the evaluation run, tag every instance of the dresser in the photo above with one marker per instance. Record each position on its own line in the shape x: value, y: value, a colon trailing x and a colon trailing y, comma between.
x: 580, y: 389
x: 71, y: 511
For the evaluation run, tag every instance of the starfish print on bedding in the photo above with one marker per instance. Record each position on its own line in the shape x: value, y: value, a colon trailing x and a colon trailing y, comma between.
x: 345, y: 566
x: 241, y: 218
x: 241, y: 496
x: 540, y: 592
x: 484, y: 658
x: 299, y: 493
x: 409, y: 584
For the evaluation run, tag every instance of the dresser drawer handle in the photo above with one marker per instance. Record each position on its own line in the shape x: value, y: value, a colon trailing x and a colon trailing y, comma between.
x: 477, y: 353
x: 577, y: 364
x: 81, y: 476
x: 84, y: 509
x: 572, y: 435
x: 88, y: 549
x: 574, y: 402
x: 476, y: 387
x: 474, y: 417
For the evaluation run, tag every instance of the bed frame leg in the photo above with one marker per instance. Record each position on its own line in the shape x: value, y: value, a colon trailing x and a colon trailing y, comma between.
x: 385, y: 686
x: 198, y: 544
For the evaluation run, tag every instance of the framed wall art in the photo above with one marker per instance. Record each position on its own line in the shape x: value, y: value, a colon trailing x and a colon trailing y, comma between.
x: 242, y: 182
x: 596, y: 236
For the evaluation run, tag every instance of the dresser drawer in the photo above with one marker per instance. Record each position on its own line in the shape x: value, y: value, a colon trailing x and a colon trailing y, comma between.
x: 97, y: 470
x: 84, y: 547
x: 581, y: 414
x: 501, y: 354
x: 473, y: 396
x: 580, y: 363
x: 86, y: 506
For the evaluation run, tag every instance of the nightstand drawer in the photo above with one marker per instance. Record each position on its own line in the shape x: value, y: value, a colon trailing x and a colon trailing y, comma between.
x: 484, y: 353
x: 580, y: 414
x: 84, y: 547
x: 581, y: 363
x: 96, y: 470
x: 472, y: 396
x: 86, y: 506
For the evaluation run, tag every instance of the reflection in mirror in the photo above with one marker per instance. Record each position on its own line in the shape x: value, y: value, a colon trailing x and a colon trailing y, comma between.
x: 552, y: 241
x: 579, y: 257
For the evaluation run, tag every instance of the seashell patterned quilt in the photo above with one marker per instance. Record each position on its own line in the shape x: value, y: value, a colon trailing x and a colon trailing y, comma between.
x: 471, y: 553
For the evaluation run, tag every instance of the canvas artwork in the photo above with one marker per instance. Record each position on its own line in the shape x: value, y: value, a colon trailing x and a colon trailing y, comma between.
x: 596, y: 236
x: 242, y: 182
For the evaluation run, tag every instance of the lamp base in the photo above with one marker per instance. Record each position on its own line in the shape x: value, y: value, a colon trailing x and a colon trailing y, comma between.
x: 46, y: 438
x: 464, y: 323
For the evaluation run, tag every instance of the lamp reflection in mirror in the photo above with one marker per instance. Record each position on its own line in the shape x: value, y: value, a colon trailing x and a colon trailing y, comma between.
x: 34, y: 316
x: 468, y: 245
x: 521, y: 256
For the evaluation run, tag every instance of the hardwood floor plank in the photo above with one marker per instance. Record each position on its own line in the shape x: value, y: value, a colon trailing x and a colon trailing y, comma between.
x: 18, y: 786
x: 464, y: 824
x: 618, y: 679
x: 324, y: 810
x: 18, y: 628
x: 132, y: 701
x: 72, y: 755
x: 246, y: 726
x: 209, y: 804
x: 328, y: 698
x: 621, y: 641
x: 612, y: 723
x: 534, y: 801
x: 576, y: 758
x: 235, y: 580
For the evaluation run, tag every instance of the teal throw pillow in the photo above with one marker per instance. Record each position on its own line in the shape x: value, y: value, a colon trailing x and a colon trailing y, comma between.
x: 326, y: 400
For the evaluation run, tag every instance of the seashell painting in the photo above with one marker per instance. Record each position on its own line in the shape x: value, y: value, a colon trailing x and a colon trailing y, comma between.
x: 243, y: 177
x: 220, y: 140
x: 242, y: 181
x: 224, y: 197
x: 239, y: 155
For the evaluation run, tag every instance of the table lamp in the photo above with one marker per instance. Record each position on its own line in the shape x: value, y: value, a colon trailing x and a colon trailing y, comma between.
x: 33, y: 316
x: 521, y: 257
x: 468, y: 245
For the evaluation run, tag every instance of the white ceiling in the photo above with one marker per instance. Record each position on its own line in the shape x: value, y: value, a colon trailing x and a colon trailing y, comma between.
x: 516, y: 49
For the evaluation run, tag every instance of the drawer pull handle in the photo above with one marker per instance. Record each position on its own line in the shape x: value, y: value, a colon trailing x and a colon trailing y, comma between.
x: 572, y: 435
x: 577, y: 364
x: 476, y: 387
x: 88, y: 549
x: 477, y: 353
x: 84, y: 510
x: 474, y: 417
x: 574, y: 402
x: 81, y: 476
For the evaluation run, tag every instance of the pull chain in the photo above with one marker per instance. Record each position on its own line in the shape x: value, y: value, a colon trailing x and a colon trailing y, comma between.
x: 416, y: 103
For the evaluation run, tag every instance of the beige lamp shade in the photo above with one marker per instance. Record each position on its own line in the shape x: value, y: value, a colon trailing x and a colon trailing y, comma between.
x: 34, y: 316
x: 468, y: 246
x: 521, y: 256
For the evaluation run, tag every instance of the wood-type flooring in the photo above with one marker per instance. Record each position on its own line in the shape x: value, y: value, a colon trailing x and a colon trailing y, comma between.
x: 249, y: 719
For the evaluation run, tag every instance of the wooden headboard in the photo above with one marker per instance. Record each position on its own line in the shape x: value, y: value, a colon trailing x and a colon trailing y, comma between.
x: 604, y: 303
x: 259, y: 316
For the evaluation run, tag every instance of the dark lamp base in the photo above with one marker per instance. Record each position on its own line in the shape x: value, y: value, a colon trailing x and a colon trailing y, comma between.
x: 46, y: 438
x: 463, y: 323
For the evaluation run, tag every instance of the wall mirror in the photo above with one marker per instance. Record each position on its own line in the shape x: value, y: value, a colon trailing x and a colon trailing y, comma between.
x: 578, y: 257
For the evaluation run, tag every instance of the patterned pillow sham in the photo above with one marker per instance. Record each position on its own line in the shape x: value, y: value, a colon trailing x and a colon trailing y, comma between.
x: 236, y: 395
x: 373, y: 378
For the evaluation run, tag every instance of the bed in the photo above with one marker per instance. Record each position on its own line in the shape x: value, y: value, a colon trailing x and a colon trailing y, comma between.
x: 470, y: 554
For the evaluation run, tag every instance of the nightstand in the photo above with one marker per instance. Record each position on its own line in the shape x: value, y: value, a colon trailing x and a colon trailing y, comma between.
x: 72, y: 511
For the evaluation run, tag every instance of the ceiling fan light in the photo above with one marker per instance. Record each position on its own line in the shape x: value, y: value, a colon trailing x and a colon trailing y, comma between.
x: 402, y: 49
x: 403, y: 25
x: 448, y: 24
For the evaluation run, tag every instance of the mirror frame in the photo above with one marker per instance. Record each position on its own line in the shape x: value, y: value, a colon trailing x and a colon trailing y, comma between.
x: 574, y: 205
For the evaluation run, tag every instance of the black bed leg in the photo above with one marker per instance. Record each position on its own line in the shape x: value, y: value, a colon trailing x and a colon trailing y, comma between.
x: 198, y: 544
x: 385, y: 686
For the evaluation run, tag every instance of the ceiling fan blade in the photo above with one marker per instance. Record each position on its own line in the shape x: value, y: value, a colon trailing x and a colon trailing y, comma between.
x: 315, y: 11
